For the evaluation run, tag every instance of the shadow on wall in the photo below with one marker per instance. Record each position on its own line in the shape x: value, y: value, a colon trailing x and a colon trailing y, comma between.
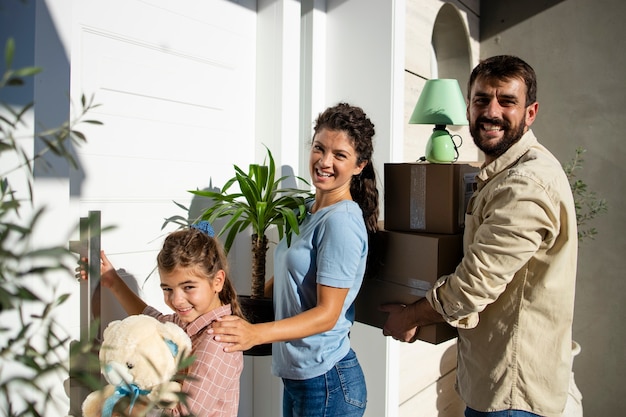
x: 497, y: 16
x: 449, y: 404
x: 51, y: 104
x: 113, y: 310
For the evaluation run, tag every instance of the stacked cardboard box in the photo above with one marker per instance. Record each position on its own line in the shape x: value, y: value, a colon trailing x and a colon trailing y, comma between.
x: 420, y: 240
x: 427, y: 198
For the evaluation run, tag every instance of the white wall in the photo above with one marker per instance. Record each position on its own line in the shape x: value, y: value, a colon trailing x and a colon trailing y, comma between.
x: 176, y: 88
x: 177, y: 102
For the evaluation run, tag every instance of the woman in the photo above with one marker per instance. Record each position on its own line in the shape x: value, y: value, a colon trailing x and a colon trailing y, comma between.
x: 318, y: 276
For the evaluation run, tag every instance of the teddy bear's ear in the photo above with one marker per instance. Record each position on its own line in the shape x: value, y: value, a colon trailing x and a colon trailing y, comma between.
x: 172, y: 346
x: 110, y: 327
x: 176, y: 338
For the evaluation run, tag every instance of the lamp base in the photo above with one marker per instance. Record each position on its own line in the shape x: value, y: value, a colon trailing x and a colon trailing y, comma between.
x: 440, y: 148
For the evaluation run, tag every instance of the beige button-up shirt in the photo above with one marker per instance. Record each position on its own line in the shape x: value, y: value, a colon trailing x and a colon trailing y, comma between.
x: 512, y: 295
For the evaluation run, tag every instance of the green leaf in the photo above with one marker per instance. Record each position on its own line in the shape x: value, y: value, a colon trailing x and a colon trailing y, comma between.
x: 27, y: 71
x: 79, y: 135
x: 15, y: 82
x: 25, y: 294
x: 587, y: 204
x: 9, y: 51
x: 6, y: 299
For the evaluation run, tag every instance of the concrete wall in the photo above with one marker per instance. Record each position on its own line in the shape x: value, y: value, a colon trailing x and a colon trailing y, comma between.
x: 576, y: 49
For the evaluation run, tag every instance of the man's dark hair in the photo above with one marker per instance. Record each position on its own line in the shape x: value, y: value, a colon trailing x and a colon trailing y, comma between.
x: 506, y: 67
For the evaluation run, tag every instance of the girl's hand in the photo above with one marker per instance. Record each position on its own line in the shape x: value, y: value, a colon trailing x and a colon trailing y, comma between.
x: 110, y: 279
x: 108, y: 274
x: 82, y: 270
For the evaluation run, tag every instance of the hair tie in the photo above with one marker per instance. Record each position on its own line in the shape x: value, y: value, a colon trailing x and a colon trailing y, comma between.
x: 204, y: 226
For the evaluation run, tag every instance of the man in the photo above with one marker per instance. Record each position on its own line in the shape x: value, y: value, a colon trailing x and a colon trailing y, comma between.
x: 512, y: 295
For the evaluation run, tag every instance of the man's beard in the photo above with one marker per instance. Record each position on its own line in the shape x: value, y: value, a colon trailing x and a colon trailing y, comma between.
x: 510, y: 136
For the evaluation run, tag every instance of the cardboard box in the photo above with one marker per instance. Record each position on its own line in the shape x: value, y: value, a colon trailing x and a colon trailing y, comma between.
x: 375, y: 292
x: 402, y: 267
x: 415, y: 260
x: 426, y: 197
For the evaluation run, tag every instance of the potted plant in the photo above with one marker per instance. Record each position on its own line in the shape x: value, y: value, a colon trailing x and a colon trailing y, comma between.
x: 259, y: 203
x: 255, y: 199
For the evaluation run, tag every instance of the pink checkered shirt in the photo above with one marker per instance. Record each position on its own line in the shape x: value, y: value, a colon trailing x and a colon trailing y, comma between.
x: 214, y: 391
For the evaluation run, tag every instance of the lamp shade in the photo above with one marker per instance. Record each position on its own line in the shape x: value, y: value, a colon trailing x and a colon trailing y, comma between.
x: 441, y: 103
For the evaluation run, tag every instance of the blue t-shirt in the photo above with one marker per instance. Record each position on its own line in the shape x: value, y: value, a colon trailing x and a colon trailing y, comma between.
x: 331, y: 250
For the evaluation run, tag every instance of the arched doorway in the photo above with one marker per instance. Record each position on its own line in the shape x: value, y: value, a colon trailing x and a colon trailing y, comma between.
x: 450, y: 46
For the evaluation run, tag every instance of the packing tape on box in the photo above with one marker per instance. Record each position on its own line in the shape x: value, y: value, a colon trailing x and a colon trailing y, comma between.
x: 420, y: 285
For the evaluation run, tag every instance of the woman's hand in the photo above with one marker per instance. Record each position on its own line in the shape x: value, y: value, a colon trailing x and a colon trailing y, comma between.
x: 237, y: 333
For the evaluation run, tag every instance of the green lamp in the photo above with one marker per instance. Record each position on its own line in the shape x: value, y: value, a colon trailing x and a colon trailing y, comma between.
x: 441, y: 103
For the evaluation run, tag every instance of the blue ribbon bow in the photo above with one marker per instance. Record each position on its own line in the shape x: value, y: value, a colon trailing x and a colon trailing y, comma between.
x: 204, y: 226
x: 121, y: 391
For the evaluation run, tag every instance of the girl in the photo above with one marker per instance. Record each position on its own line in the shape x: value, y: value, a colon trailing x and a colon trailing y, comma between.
x: 195, y: 283
x: 318, y: 276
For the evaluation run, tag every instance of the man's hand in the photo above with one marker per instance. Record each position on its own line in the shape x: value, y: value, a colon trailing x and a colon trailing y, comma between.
x: 404, y: 321
x: 400, y: 323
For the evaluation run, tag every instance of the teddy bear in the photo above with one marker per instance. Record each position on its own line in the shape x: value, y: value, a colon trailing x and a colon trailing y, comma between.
x: 139, y: 356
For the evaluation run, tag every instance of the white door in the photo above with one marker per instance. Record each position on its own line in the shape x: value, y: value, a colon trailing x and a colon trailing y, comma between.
x: 175, y: 84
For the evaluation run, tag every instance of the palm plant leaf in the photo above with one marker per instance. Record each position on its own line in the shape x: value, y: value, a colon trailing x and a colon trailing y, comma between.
x: 269, y: 180
x: 233, y: 231
x: 259, y: 203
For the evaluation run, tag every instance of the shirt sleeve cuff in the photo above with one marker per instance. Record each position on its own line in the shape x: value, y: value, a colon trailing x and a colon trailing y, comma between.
x: 466, y: 322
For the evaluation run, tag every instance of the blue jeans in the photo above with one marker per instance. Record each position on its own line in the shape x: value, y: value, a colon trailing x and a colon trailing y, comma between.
x: 339, y: 392
x: 504, y: 413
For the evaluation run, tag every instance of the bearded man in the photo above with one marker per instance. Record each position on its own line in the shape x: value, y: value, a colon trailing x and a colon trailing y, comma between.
x: 512, y: 295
